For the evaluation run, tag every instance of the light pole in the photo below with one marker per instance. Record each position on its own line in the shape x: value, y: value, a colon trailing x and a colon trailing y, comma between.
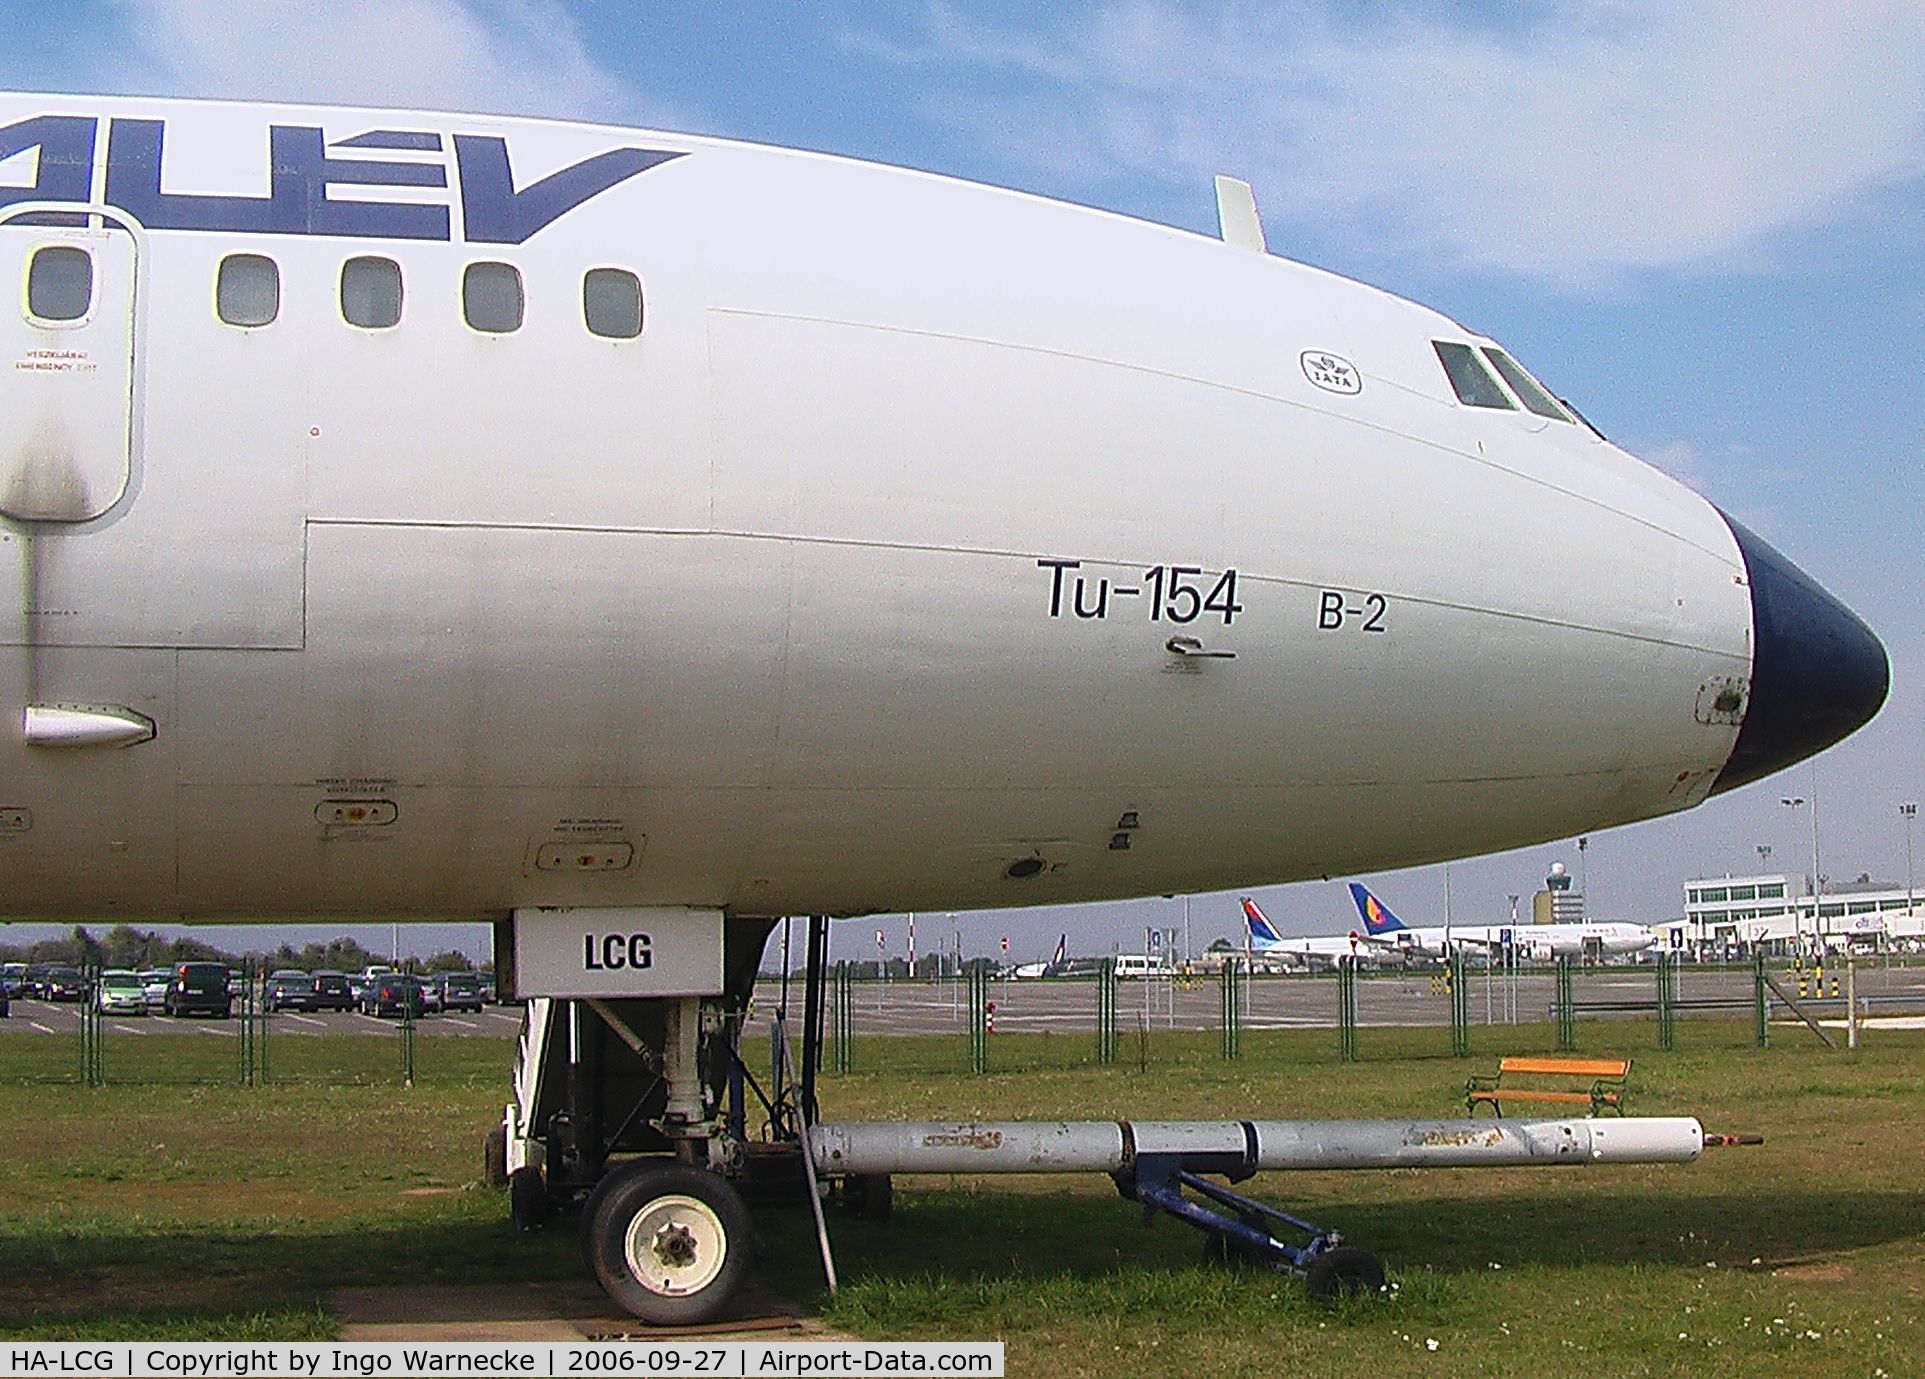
x: 1909, y: 813
x: 1794, y: 802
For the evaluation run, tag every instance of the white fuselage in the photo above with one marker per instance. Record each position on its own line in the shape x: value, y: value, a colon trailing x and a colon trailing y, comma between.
x: 849, y: 585
x: 1531, y: 942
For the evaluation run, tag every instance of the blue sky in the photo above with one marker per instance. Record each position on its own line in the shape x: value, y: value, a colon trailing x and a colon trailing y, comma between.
x: 1702, y: 220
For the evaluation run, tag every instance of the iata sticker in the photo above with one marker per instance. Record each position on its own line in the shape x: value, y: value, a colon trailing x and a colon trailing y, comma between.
x: 1332, y: 372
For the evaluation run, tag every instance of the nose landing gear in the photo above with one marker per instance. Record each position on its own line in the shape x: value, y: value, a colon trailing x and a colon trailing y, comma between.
x: 669, y: 1243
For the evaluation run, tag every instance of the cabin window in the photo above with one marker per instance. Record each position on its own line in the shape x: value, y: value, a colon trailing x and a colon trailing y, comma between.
x: 1529, y: 391
x: 248, y: 290
x: 60, y: 283
x: 1472, y: 381
x: 612, y: 303
x: 371, y: 293
x: 491, y: 298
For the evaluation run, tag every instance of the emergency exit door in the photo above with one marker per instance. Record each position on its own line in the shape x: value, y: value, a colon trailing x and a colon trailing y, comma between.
x: 67, y: 369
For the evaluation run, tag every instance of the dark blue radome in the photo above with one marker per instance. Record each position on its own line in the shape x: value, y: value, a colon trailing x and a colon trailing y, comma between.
x: 1818, y: 674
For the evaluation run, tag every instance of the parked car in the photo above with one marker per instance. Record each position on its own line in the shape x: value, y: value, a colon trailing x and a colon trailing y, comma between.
x: 330, y: 991
x: 13, y: 979
x: 461, y: 991
x: 284, y: 989
x: 63, y: 984
x: 153, y: 987
x: 32, y: 986
x: 199, y: 988
x: 431, y: 993
x: 487, y: 980
x: 120, y: 993
x: 395, y: 995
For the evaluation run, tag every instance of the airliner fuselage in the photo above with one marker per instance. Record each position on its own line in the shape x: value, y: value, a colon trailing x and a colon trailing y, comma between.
x: 431, y: 515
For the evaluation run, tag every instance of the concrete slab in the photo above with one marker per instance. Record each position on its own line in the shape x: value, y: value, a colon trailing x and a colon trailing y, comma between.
x: 572, y: 1311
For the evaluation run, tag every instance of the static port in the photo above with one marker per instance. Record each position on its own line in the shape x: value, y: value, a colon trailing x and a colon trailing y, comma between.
x: 581, y: 857
x: 1023, y: 868
x: 356, y: 813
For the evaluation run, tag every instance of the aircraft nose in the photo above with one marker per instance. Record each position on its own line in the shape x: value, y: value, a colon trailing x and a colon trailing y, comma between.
x: 1818, y: 674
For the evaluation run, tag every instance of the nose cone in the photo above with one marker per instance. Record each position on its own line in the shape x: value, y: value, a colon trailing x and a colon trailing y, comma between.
x: 1818, y: 674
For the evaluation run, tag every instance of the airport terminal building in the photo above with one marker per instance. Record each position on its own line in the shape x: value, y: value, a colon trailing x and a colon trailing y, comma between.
x: 1730, y: 916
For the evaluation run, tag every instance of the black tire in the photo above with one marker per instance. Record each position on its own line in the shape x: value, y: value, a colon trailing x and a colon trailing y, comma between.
x: 870, y: 1196
x: 612, y: 1174
x: 1343, y: 1272
x: 528, y: 1204
x: 687, y: 1228
x: 494, y: 1157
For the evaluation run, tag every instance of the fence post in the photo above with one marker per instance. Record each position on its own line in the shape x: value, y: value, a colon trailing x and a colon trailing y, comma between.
x: 90, y: 1067
x: 244, y: 1032
x: 978, y: 1019
x: 1347, y: 1009
x: 844, y: 1052
x: 1566, y: 1005
x: 1106, y: 1011
x: 1667, y: 993
x: 407, y: 1037
x: 1232, y: 997
x: 260, y: 1036
x: 1760, y: 1005
x: 1459, y: 1006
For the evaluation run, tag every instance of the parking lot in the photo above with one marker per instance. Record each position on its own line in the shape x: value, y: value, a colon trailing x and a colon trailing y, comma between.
x: 63, y: 1018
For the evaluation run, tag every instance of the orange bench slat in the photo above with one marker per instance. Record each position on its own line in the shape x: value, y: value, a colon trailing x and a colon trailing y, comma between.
x: 1566, y: 1067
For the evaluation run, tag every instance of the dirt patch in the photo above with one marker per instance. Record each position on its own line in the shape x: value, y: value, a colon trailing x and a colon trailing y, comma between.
x: 541, y: 1312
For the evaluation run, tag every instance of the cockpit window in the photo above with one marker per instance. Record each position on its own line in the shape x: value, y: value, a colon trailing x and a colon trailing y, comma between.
x: 1529, y: 391
x: 1472, y: 381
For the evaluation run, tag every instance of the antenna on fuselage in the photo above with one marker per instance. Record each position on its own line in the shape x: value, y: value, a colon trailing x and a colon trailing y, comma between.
x: 1236, y: 215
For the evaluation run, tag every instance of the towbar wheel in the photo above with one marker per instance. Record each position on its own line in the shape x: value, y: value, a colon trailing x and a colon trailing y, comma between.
x: 670, y: 1244
x: 1341, y: 1272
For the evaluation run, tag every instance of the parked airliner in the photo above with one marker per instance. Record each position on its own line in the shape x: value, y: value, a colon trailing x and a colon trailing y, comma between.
x: 1529, y: 942
x: 1370, y: 945
x: 632, y: 538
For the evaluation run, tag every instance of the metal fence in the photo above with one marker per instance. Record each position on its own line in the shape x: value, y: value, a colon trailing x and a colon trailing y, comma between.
x: 981, y: 1022
x: 88, y: 1042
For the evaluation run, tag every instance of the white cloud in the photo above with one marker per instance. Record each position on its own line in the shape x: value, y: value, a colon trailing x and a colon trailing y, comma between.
x: 1682, y: 461
x: 499, y: 56
x: 1584, y: 138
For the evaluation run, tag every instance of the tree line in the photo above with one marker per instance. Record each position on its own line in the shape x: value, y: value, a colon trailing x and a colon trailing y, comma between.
x: 125, y: 946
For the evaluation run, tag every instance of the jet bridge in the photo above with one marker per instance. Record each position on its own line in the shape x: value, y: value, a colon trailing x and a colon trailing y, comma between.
x: 644, y: 1114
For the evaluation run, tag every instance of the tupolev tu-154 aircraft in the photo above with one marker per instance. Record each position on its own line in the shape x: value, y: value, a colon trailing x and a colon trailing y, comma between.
x: 631, y: 538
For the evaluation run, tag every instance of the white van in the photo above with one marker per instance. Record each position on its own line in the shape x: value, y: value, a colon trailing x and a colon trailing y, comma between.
x: 1137, y: 965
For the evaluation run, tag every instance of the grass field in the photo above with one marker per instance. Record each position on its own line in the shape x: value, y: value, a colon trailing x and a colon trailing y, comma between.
x: 203, y: 1211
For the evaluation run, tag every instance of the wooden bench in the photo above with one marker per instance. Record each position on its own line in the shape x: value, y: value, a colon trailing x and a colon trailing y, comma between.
x: 1606, y: 1077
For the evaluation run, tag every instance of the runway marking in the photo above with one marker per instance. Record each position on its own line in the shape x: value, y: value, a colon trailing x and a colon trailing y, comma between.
x: 42, y: 1028
x: 497, y: 1015
x: 129, y: 1029
x: 308, y: 1020
x: 465, y: 1024
x: 215, y: 1030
